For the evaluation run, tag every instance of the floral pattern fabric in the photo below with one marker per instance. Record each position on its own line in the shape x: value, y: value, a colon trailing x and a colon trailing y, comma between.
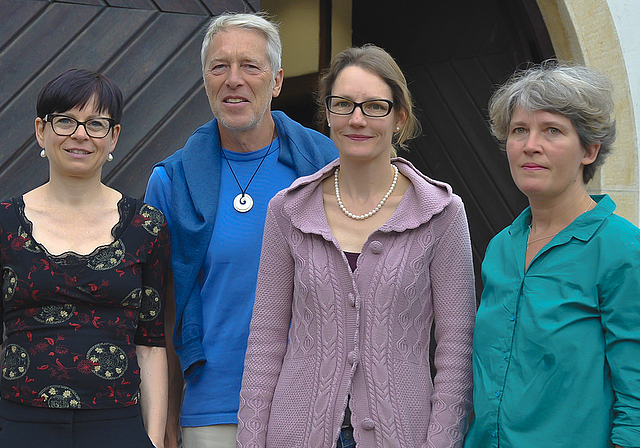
x: 72, y: 322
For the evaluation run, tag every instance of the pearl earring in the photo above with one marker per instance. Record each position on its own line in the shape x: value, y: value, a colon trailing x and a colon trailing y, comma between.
x: 328, y: 124
x: 110, y: 158
x: 43, y: 154
x: 397, y: 128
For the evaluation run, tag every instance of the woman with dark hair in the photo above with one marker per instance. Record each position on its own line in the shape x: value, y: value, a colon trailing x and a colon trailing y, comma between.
x: 557, y: 341
x: 83, y: 280
x: 358, y: 261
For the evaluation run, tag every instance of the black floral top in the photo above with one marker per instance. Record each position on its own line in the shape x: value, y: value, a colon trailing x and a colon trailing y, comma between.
x: 72, y: 322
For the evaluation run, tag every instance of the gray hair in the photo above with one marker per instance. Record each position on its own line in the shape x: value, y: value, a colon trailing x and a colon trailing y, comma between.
x: 259, y: 22
x: 576, y: 92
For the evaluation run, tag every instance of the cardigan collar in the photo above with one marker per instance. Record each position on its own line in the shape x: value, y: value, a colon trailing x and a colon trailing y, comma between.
x: 303, y: 201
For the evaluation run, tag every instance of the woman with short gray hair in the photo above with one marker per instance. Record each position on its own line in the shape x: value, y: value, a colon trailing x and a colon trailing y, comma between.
x: 557, y: 341
x: 576, y: 92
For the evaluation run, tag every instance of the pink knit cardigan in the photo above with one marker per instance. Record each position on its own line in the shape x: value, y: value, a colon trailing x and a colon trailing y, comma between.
x: 321, y: 333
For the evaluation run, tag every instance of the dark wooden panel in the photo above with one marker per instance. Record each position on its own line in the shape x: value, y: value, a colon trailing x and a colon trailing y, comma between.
x: 133, y: 4
x: 91, y: 49
x: 156, y: 100
x: 442, y: 153
x: 219, y: 6
x: 87, y: 2
x: 170, y: 135
x: 533, y: 37
x: 484, y: 31
x: 182, y: 6
x: 297, y: 99
x: 48, y: 34
x: 16, y: 15
x: 200, y: 7
x: 458, y: 126
x: 25, y: 173
x: 148, y: 52
x: 472, y: 119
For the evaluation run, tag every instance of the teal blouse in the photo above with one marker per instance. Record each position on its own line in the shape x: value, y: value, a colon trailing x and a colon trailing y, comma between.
x: 556, y: 358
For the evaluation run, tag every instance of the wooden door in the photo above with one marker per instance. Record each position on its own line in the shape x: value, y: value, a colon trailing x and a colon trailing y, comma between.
x: 150, y: 48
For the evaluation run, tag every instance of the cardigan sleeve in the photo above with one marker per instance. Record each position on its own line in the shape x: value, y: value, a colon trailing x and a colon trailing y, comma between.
x: 453, y: 293
x: 268, y: 334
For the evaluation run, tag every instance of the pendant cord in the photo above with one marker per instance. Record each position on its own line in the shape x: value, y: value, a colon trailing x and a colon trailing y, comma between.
x: 243, y: 191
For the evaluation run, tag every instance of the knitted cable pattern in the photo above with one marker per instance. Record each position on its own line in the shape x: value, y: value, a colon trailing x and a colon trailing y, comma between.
x: 320, y: 333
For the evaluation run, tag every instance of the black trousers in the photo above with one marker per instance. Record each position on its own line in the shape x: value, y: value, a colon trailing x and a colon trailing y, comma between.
x: 33, y: 427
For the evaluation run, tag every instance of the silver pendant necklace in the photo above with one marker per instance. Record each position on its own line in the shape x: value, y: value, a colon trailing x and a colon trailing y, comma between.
x: 243, y: 202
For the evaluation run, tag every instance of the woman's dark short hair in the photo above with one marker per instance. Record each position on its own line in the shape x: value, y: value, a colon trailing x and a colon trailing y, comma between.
x: 576, y: 92
x: 75, y: 88
x: 374, y: 60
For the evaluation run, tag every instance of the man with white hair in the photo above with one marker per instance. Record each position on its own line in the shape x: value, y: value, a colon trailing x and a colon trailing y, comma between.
x: 214, y: 193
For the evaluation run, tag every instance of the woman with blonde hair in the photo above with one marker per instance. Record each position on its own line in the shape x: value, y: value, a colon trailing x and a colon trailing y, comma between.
x: 358, y: 261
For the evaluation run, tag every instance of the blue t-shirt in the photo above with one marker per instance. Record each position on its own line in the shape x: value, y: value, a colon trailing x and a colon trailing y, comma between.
x: 228, y: 278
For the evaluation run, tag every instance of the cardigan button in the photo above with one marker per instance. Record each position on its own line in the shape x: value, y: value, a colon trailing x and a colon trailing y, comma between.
x: 376, y: 247
x: 352, y: 299
x: 353, y: 355
x: 368, y: 424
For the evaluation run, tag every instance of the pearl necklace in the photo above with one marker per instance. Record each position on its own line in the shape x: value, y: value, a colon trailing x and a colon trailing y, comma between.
x: 375, y: 210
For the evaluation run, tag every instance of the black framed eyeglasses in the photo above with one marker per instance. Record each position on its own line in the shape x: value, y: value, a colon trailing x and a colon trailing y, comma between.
x: 371, y: 108
x: 65, y: 126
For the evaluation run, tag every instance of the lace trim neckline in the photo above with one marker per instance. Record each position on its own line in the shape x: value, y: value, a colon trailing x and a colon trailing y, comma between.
x: 125, y: 206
